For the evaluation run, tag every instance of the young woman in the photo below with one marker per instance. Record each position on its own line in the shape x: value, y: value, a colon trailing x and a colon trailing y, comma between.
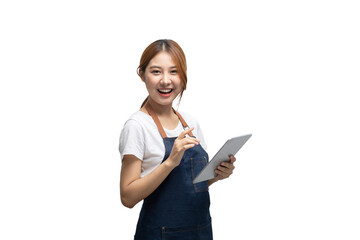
x: 162, y: 151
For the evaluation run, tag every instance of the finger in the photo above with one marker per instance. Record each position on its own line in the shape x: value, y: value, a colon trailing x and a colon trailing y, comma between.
x: 187, y: 146
x: 182, y: 135
x: 190, y: 140
x: 227, y: 165
x: 221, y: 174
x: 225, y: 169
x: 232, y: 158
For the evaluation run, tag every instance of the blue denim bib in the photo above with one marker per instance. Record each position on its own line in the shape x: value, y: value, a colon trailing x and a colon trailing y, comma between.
x: 178, y: 209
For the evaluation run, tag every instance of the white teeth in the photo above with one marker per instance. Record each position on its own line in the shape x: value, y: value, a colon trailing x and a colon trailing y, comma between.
x: 165, y: 90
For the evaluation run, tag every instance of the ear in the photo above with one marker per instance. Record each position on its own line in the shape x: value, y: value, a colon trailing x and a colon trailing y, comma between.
x: 141, y: 75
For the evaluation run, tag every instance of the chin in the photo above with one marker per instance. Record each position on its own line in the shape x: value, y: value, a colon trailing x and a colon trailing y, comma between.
x: 163, y: 102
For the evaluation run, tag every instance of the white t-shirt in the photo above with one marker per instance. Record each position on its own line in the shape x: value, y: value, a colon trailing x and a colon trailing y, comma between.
x: 141, y: 138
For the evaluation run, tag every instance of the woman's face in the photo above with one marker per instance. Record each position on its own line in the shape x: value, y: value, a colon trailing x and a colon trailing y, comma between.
x: 162, y: 79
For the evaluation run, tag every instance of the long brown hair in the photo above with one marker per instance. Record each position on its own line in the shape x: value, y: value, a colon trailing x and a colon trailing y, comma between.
x: 175, y: 51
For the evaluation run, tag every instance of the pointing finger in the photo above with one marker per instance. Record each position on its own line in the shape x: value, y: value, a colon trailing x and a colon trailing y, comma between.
x: 182, y: 135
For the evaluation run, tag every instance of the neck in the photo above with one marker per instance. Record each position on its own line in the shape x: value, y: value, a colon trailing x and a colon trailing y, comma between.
x: 160, y: 110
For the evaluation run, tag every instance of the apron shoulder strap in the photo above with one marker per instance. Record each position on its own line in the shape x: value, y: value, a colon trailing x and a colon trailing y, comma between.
x: 185, y: 125
x: 156, y: 120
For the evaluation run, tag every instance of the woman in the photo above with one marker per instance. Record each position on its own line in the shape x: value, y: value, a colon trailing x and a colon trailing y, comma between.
x: 161, y: 154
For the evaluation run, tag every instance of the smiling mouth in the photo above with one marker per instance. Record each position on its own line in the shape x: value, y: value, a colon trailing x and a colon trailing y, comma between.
x: 165, y: 91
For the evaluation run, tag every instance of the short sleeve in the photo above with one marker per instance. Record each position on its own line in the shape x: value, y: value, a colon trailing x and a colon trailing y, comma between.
x: 132, y: 140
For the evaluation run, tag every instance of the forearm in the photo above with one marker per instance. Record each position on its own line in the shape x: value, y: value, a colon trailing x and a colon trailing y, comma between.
x: 143, y: 187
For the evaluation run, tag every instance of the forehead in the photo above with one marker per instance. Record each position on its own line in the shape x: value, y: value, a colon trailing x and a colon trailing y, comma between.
x: 162, y: 59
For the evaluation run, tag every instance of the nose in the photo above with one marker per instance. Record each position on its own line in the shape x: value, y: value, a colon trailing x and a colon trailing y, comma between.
x: 166, y: 79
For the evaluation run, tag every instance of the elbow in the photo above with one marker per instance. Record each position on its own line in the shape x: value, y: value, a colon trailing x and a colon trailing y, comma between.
x: 126, y: 202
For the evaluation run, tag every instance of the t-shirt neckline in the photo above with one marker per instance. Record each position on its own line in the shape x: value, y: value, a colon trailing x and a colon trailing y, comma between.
x: 166, y: 130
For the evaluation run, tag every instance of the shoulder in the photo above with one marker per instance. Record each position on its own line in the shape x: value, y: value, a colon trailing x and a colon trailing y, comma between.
x: 135, y: 125
x: 140, y: 124
x: 139, y: 116
x: 138, y: 120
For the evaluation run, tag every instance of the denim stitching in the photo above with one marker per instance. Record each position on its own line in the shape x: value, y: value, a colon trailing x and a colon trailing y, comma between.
x: 187, y: 230
x: 203, y: 161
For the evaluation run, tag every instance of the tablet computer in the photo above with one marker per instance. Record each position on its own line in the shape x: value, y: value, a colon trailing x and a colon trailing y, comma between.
x: 231, y: 147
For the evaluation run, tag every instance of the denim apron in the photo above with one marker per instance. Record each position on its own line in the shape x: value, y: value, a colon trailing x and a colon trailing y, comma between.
x: 177, y: 209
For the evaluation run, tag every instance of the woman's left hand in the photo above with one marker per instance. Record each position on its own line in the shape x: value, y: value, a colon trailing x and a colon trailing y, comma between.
x: 225, y: 169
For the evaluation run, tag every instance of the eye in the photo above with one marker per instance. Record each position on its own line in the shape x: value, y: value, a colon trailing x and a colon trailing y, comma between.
x: 156, y: 72
x: 173, y: 72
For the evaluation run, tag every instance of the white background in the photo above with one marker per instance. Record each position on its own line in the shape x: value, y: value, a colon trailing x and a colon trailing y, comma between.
x: 285, y: 71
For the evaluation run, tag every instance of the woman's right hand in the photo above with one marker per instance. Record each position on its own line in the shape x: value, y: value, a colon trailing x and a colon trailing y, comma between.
x: 134, y: 188
x: 181, y: 144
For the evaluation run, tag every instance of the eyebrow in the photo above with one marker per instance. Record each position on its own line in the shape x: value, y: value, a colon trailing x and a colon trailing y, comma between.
x: 160, y: 67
